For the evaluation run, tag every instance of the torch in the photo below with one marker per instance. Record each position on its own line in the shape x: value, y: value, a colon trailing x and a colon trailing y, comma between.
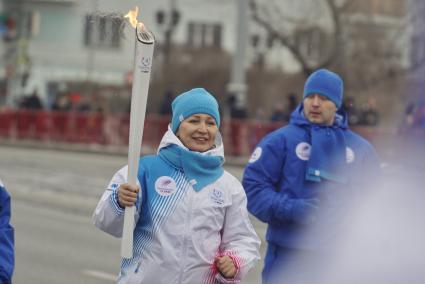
x: 143, y: 52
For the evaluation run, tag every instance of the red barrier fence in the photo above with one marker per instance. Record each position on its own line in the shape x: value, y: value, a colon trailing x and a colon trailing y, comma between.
x: 239, y: 136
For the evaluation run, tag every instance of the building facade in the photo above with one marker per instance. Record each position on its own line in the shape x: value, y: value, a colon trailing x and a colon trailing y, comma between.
x: 59, y: 41
x: 54, y: 43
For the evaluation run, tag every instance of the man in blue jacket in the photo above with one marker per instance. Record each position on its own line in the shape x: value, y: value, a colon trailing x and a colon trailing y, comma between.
x: 6, y: 238
x: 301, y: 177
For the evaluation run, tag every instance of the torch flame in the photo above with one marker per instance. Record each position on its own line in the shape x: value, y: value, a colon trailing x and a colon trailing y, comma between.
x: 132, y: 17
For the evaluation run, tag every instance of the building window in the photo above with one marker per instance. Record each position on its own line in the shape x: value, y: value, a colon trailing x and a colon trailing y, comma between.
x: 102, y: 31
x: 204, y: 35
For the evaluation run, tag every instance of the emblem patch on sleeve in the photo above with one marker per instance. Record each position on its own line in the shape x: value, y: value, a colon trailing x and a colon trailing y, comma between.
x: 303, y: 151
x: 255, y: 155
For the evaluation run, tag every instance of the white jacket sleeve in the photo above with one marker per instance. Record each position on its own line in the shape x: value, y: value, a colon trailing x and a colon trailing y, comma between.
x: 109, y: 215
x: 239, y: 240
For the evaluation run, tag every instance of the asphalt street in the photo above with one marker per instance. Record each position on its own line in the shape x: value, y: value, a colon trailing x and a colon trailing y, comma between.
x: 53, y: 246
x: 54, y: 194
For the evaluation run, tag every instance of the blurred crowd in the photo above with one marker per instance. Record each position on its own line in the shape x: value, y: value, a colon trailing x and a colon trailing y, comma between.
x: 358, y: 114
x: 76, y: 101
x: 365, y: 115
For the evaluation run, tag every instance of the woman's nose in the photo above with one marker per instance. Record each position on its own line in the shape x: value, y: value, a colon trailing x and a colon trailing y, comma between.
x: 202, y: 127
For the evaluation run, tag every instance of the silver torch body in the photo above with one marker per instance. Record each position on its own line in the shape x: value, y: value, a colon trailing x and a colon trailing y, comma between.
x: 143, y: 55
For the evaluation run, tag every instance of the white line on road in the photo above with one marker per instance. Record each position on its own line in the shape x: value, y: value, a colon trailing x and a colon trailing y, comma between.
x: 100, y: 274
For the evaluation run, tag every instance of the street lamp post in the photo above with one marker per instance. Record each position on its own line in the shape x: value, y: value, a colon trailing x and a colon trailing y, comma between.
x: 168, y: 21
x: 237, y: 86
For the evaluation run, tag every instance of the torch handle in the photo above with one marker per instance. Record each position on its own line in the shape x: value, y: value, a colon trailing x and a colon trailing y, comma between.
x: 127, y: 237
x: 133, y: 165
x: 137, y: 118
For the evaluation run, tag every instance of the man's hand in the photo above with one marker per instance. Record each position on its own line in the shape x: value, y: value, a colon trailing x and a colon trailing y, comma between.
x: 127, y: 195
x: 226, y: 266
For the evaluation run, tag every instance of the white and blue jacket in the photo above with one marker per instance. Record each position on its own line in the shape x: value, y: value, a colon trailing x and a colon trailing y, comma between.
x: 179, y: 231
x: 277, y: 171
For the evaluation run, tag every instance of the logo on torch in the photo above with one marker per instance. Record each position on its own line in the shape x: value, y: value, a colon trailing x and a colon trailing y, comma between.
x: 145, y: 64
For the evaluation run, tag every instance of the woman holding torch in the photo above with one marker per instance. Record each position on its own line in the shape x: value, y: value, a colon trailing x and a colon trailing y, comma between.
x: 191, y: 221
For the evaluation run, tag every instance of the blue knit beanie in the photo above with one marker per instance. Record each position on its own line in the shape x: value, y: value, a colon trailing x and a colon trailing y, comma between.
x: 197, y: 100
x: 325, y: 83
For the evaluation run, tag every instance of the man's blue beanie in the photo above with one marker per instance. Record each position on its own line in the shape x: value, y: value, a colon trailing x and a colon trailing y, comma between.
x: 325, y: 83
x: 197, y: 100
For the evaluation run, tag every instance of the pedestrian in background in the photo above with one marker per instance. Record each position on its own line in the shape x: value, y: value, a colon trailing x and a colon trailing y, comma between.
x: 192, y: 224
x: 301, y: 177
x: 7, y: 259
x: 279, y: 113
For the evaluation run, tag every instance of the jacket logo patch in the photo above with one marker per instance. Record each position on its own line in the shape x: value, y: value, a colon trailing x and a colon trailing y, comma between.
x: 113, y: 186
x: 303, y: 151
x: 217, y: 196
x: 350, y: 155
x: 165, y: 186
x: 255, y: 155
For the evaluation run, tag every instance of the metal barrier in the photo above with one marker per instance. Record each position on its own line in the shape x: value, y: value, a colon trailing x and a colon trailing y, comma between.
x: 240, y: 136
x: 77, y: 127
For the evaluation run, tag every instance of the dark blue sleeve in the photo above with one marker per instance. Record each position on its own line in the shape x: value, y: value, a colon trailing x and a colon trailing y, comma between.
x: 6, y: 239
x: 262, y: 177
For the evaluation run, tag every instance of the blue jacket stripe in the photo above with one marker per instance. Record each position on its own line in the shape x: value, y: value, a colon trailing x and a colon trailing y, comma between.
x: 169, y: 205
x: 166, y: 205
x: 161, y: 207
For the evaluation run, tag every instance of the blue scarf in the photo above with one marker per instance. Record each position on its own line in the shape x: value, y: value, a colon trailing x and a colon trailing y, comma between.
x: 328, y: 154
x: 201, y: 170
x: 328, y: 148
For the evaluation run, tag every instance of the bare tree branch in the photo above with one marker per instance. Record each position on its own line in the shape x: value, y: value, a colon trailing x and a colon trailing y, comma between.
x: 285, y: 40
x: 368, y: 41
